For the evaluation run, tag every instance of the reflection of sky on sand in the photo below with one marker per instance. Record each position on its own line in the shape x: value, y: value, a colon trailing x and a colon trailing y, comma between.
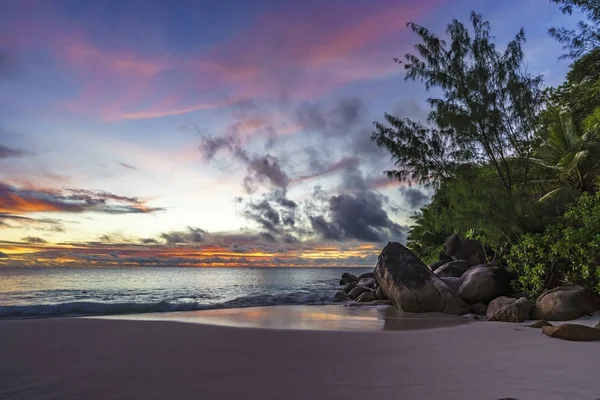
x: 332, y: 317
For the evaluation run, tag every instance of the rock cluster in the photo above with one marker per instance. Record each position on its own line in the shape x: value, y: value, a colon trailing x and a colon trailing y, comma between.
x: 462, y: 284
x: 362, y: 289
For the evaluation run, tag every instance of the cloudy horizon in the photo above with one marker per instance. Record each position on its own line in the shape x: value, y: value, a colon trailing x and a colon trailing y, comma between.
x: 216, y: 134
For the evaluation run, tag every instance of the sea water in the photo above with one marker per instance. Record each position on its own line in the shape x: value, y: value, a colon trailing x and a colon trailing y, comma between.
x: 43, y: 292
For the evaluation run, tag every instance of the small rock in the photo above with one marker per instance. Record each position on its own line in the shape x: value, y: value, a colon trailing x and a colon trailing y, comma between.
x: 540, y: 324
x: 471, y: 316
x: 572, y: 332
x: 366, y: 297
x: 340, y: 297
x: 479, y: 309
x: 349, y: 287
x: 357, y: 291
x: 349, y: 278
x: 506, y: 309
x: 368, y: 282
x: 597, y: 325
x: 366, y: 275
x: 342, y: 282
x: 380, y: 294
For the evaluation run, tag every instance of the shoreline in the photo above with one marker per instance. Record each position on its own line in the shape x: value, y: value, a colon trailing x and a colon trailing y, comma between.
x: 97, y: 358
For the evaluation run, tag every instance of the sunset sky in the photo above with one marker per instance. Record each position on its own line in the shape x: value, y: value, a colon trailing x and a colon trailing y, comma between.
x: 216, y: 133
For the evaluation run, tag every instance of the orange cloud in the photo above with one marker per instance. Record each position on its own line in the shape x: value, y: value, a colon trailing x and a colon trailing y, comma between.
x: 96, y: 254
x: 15, y: 200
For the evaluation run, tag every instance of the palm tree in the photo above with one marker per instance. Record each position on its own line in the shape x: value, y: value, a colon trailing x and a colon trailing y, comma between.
x: 568, y: 162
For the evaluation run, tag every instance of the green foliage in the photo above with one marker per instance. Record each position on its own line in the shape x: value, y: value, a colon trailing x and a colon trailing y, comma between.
x: 475, y: 205
x: 592, y: 122
x: 490, y: 103
x: 428, y: 234
x: 573, y: 241
x: 587, y: 35
x: 505, y: 170
x: 580, y: 94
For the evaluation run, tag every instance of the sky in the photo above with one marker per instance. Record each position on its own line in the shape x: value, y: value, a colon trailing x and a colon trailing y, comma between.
x: 217, y: 133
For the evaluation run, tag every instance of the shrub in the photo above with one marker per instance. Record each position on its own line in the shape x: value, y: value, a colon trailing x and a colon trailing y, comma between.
x: 573, y: 241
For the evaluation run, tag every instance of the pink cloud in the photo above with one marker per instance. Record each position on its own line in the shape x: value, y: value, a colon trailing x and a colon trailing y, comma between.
x: 289, y: 55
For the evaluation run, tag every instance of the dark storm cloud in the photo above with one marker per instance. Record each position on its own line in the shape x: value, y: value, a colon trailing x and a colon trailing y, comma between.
x: 128, y: 166
x: 261, y: 169
x: 290, y: 239
x: 263, y: 214
x: 282, y: 200
x: 360, y: 216
x: 414, y: 197
x: 17, y: 200
x: 148, y: 241
x: 328, y: 230
x: 191, y: 235
x: 210, y: 146
x: 8, y: 152
x: 34, y: 240
x: 265, y: 169
x: 268, y: 237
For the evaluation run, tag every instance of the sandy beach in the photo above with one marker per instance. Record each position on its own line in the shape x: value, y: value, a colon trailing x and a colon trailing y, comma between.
x: 75, y: 358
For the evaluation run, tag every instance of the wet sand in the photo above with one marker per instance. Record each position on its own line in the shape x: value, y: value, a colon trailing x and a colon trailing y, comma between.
x: 331, y: 317
x: 90, y: 358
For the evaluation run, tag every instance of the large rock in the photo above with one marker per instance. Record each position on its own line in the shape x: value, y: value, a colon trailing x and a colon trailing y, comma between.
x: 453, y: 283
x: 483, y: 283
x: 565, y: 303
x: 380, y: 294
x: 349, y: 278
x: 434, y: 266
x: 453, y: 269
x: 411, y: 286
x: 507, y: 309
x: 465, y: 249
x: 573, y: 332
x: 368, y: 282
x: 357, y: 291
x: 366, y: 297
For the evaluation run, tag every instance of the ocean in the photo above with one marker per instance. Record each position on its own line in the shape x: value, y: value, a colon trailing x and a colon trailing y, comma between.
x: 47, y: 292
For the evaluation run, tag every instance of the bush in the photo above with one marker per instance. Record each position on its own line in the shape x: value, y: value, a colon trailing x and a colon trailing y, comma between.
x: 573, y: 241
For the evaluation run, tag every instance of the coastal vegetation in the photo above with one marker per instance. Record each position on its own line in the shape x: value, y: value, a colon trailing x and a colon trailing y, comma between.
x: 514, y: 164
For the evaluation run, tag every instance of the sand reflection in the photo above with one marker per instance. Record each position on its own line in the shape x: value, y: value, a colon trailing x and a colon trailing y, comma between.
x: 332, y: 317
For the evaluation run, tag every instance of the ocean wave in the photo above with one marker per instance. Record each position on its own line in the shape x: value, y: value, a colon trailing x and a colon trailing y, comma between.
x: 86, y: 308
